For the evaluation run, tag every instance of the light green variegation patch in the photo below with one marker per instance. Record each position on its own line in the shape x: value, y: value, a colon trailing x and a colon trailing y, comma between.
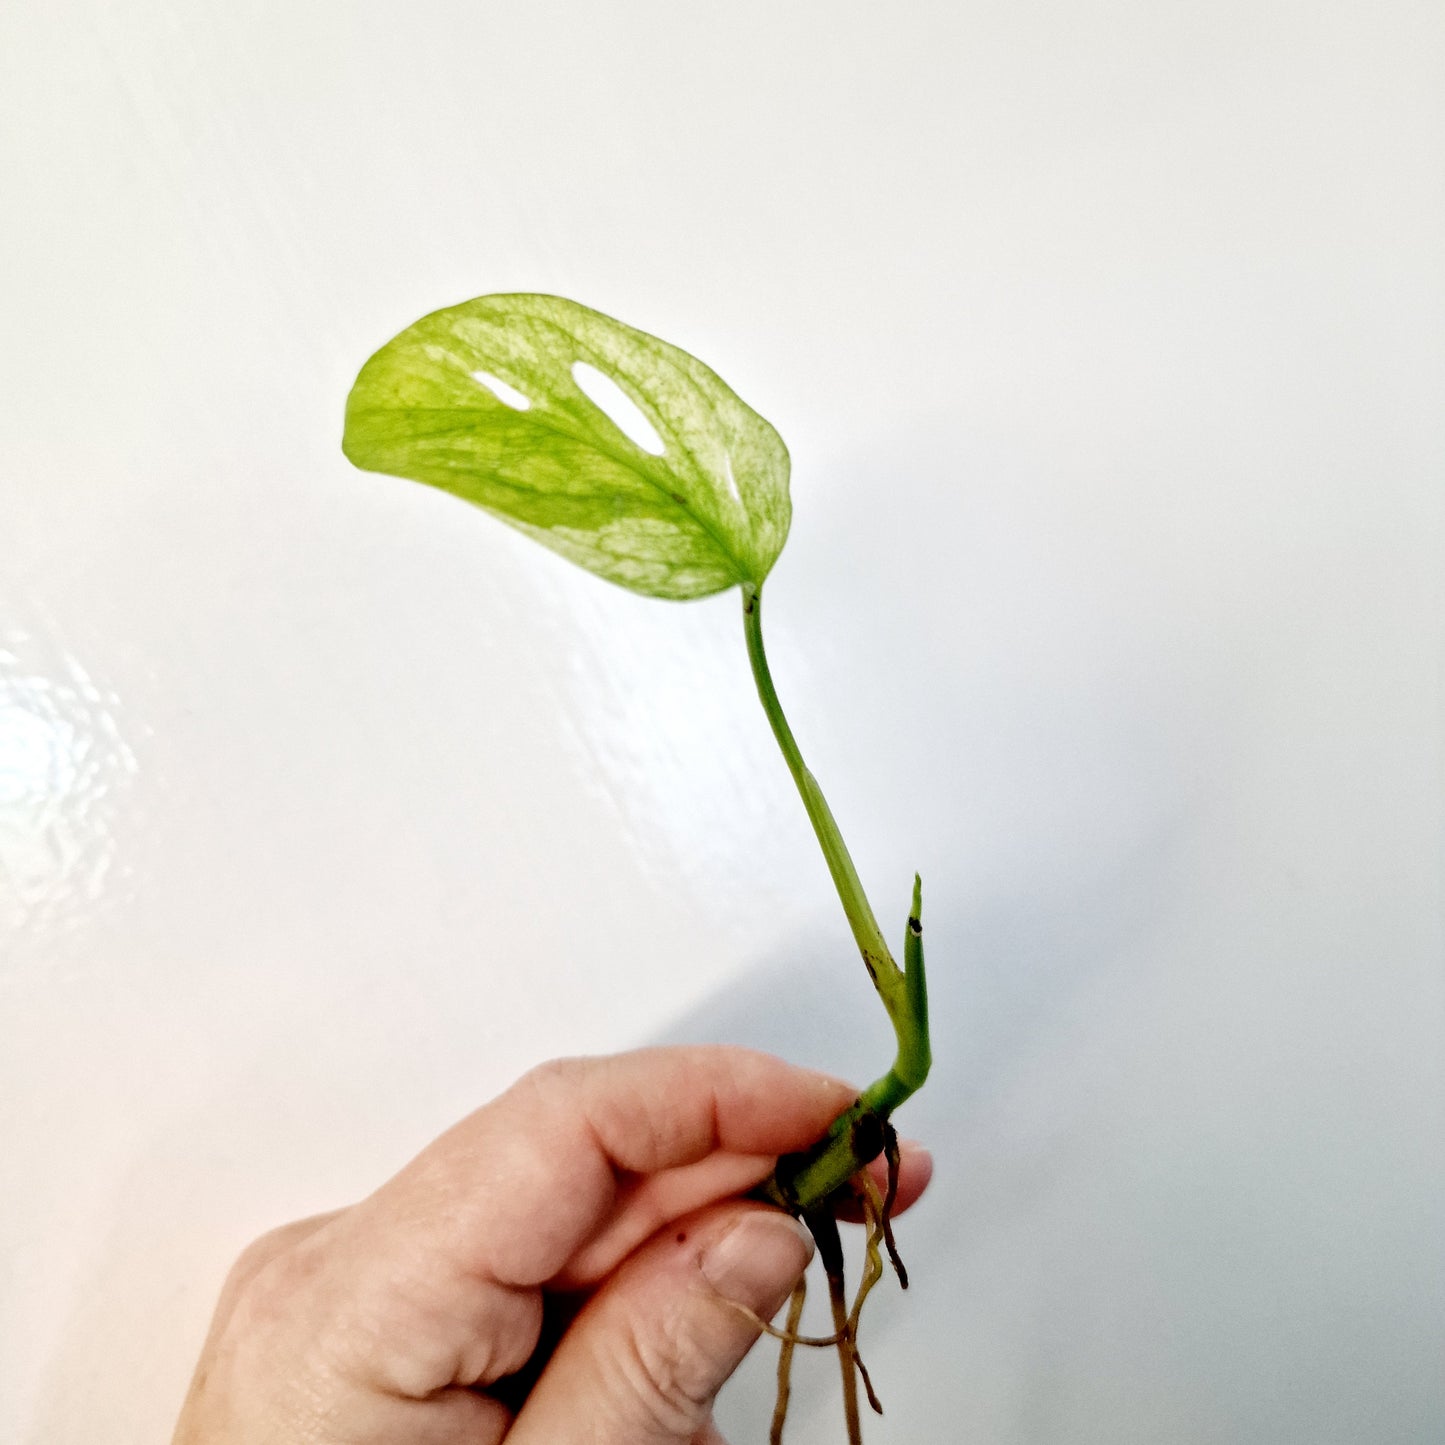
x: 490, y: 401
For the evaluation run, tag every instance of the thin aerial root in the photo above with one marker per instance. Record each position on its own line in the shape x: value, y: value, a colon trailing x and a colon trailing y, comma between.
x: 873, y: 1399
x: 872, y: 1259
x: 785, y: 1361
x: 891, y: 1153
x: 788, y: 1336
x: 877, y: 1210
x: 808, y: 1342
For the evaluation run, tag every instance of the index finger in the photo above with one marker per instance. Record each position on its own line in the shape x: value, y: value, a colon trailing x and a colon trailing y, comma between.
x: 515, y: 1189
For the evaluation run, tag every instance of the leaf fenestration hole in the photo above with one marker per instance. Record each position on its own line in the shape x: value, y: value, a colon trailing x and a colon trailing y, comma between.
x: 503, y: 391
x: 618, y: 407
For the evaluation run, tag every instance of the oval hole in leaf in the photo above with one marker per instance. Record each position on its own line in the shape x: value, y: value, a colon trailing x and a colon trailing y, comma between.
x: 617, y: 407
x: 503, y: 391
x: 731, y: 480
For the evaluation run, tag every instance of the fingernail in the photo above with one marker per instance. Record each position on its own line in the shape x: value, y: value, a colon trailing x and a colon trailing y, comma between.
x: 757, y: 1262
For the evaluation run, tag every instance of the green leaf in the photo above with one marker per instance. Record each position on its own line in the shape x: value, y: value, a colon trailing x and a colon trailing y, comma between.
x: 486, y: 400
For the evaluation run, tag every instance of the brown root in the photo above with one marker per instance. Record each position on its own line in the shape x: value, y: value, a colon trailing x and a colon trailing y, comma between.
x: 877, y: 1211
x: 790, y: 1338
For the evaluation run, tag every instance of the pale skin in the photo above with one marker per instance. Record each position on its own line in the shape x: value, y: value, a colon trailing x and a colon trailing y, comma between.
x: 598, y: 1195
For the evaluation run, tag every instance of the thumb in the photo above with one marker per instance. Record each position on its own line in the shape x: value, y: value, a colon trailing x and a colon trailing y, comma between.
x: 643, y: 1361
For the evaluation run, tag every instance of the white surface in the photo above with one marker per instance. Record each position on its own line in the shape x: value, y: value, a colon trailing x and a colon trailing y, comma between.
x: 1108, y: 343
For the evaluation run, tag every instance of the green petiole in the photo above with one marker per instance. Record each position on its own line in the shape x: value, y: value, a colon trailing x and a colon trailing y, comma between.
x: 803, y: 1182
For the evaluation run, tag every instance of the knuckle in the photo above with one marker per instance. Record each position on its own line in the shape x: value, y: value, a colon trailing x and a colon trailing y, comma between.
x: 554, y: 1081
x: 260, y: 1271
x: 658, y: 1380
x: 266, y: 1278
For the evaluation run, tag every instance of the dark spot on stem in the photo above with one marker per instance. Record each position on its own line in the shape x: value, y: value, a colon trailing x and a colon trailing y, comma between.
x: 866, y: 1137
x: 914, y: 926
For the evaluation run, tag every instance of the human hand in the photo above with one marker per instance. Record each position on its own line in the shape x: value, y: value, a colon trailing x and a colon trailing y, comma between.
x: 599, y: 1193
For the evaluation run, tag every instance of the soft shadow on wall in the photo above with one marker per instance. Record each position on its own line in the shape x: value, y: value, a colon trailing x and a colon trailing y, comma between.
x: 1016, y: 992
x: 1160, y: 749
x: 1143, y: 1225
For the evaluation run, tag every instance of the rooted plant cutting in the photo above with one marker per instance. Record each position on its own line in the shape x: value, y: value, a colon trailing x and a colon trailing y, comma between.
x: 634, y: 460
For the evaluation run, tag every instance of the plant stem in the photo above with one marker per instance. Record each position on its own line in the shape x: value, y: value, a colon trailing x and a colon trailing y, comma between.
x: 856, y: 1137
x: 845, y: 876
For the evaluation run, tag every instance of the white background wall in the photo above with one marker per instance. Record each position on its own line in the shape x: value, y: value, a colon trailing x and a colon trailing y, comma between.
x: 1109, y: 341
